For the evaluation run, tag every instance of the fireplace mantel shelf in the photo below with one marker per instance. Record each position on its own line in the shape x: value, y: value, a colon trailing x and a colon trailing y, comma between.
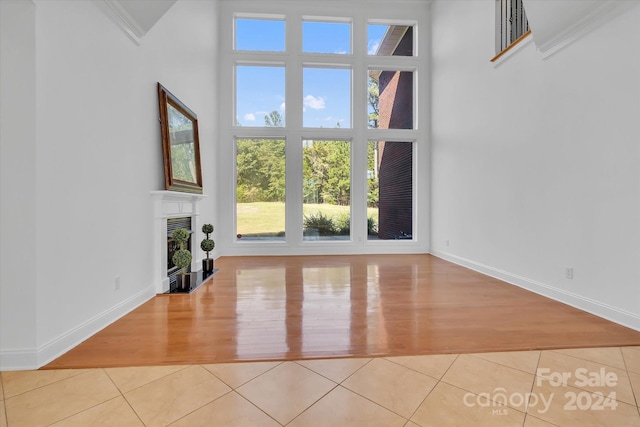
x: 177, y: 194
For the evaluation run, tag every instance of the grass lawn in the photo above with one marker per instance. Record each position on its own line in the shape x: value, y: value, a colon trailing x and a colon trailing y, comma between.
x: 261, y: 218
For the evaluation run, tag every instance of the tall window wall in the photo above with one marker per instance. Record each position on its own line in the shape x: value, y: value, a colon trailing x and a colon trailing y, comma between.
x: 323, y: 146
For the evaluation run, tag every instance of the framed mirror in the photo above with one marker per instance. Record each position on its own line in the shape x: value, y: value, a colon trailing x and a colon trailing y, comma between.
x: 180, y: 144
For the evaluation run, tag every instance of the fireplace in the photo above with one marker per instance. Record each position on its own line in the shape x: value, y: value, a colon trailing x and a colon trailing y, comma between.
x: 172, y: 246
x: 173, y: 210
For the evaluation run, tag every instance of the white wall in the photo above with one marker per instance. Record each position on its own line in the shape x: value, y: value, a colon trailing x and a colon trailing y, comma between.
x: 97, y: 158
x: 536, y: 162
x: 17, y: 182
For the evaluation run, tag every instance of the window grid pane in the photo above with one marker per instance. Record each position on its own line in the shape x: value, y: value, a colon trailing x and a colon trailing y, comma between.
x: 260, y: 189
x: 260, y: 35
x: 390, y: 40
x: 390, y: 99
x: 390, y: 190
x: 260, y: 96
x: 326, y: 98
x: 326, y: 190
x: 326, y: 37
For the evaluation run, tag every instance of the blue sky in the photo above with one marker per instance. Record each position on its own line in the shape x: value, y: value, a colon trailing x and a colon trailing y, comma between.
x: 326, y: 92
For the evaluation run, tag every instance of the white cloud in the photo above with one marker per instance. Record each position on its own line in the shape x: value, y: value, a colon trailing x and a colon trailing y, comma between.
x: 373, y: 47
x: 249, y: 117
x: 313, y: 102
x: 282, y: 107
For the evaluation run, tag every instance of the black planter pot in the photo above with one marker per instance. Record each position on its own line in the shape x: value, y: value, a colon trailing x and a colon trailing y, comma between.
x: 207, y: 265
x: 184, y: 282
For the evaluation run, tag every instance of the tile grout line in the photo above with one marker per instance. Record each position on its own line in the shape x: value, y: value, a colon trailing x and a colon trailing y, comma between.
x: 309, y: 407
x: 559, y: 351
x: 123, y: 396
x: 198, y: 408
x: 606, y: 398
x: 81, y: 411
x: 183, y: 367
x: 231, y: 390
x: 585, y: 389
x: 479, y: 356
x: 476, y: 394
x: 414, y: 370
x: 88, y: 409
x: 235, y: 390
x: 341, y: 384
x: 249, y: 380
x: 535, y: 378
x: 4, y: 390
x: 438, y: 381
x: 422, y: 401
x: 374, y: 402
x: 499, y: 364
x: 626, y: 368
x: 4, y: 400
x: 337, y: 384
x: 323, y: 396
x: 270, y: 369
x: 256, y: 406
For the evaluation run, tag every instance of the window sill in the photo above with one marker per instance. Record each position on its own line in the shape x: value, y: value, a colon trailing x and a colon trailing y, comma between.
x: 520, y: 42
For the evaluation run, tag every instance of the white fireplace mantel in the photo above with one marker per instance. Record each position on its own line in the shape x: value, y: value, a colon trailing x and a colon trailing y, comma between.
x: 171, y: 204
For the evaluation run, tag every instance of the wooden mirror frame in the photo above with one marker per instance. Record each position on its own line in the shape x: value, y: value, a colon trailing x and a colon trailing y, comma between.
x: 173, y: 182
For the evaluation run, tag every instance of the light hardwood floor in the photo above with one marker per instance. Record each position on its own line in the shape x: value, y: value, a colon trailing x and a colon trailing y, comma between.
x: 307, y: 307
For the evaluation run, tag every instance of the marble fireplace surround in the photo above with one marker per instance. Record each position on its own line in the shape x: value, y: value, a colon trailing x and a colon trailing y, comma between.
x: 172, y: 204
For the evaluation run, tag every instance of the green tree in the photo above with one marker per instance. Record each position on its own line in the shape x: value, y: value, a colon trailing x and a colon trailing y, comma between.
x: 261, y: 167
x: 373, y: 98
x: 327, y: 172
x: 260, y: 170
x: 372, y: 167
x: 274, y: 119
x: 339, y: 173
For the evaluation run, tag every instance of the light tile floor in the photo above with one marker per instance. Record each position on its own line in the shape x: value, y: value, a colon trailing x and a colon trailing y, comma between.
x: 577, y: 387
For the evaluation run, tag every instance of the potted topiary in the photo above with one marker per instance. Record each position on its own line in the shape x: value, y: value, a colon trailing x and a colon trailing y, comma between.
x: 207, y: 245
x: 182, y: 259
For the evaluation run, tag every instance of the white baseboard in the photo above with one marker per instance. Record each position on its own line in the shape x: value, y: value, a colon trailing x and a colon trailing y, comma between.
x: 614, y: 314
x: 18, y: 359
x: 24, y: 359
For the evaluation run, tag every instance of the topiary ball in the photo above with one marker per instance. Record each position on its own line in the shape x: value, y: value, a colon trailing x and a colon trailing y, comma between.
x: 181, y: 258
x: 180, y: 235
x: 207, y: 245
x: 207, y: 228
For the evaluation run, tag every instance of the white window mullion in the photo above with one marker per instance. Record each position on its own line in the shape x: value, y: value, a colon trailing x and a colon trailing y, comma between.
x: 226, y: 171
x: 294, y: 127
x: 359, y: 145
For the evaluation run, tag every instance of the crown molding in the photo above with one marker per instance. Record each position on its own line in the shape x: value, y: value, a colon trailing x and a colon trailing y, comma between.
x: 134, y: 17
x: 554, y: 39
x: 114, y: 10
